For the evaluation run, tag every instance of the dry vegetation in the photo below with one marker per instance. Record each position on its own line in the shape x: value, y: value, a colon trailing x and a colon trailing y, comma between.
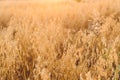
x: 63, y: 40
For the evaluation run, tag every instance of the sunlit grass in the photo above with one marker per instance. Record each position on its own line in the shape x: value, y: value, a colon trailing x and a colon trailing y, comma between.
x: 60, y: 40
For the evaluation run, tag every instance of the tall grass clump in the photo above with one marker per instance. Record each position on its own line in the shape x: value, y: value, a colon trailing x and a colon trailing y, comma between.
x: 65, y: 40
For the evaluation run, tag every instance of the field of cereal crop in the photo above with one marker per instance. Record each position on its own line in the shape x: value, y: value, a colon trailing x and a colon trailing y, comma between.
x: 60, y: 40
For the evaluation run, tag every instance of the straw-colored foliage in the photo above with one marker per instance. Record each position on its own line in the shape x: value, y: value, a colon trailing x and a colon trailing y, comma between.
x: 65, y: 40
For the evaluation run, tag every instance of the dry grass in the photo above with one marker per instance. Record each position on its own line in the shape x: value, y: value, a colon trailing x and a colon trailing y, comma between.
x: 62, y: 40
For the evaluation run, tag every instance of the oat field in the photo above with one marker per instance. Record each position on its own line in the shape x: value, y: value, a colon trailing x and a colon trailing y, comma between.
x: 60, y: 40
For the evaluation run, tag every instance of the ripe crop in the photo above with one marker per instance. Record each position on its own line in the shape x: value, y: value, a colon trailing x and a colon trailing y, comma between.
x: 60, y: 40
